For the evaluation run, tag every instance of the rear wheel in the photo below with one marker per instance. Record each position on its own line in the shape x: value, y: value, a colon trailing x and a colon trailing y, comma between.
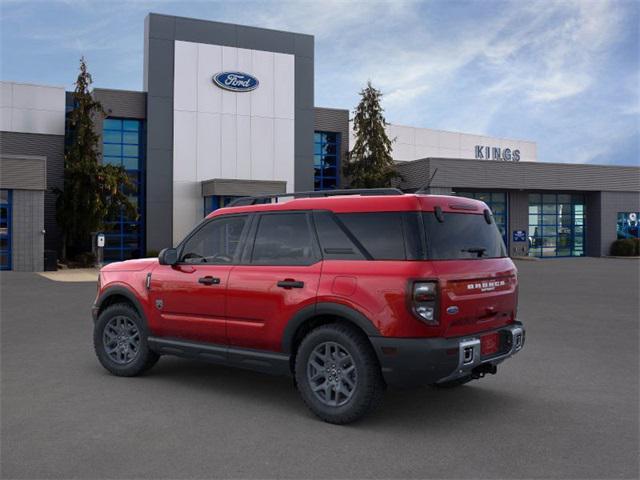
x: 120, y: 341
x: 337, y: 374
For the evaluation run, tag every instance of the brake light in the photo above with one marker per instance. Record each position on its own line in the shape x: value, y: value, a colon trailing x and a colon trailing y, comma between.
x: 423, y: 301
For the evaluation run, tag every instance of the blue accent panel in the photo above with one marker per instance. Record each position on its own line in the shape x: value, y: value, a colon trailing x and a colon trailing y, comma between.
x: 6, y: 204
x: 326, y: 160
x: 123, y: 145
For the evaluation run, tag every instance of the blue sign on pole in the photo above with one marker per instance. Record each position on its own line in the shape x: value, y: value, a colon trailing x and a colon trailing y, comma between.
x: 519, y: 236
x: 236, y: 81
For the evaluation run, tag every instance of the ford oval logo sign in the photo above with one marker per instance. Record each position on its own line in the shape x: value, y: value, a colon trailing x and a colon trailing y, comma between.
x: 236, y: 81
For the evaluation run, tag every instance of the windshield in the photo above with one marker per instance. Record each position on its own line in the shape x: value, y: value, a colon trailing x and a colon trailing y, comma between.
x: 462, y: 236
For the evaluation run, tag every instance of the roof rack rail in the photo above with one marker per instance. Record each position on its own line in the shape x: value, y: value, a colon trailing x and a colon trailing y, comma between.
x: 260, y: 199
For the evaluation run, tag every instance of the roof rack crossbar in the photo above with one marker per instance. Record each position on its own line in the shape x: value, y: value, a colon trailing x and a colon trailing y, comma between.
x: 259, y: 199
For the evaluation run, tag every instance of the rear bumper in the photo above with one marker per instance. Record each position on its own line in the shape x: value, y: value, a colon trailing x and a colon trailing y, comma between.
x: 409, y: 362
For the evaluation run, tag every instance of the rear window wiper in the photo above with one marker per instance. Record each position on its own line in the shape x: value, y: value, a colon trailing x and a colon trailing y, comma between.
x: 479, y: 250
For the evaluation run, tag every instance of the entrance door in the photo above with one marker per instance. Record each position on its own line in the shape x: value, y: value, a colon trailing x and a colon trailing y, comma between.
x: 5, y: 229
x: 189, y: 299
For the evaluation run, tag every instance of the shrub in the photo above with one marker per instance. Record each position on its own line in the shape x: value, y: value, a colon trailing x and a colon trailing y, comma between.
x: 628, y: 247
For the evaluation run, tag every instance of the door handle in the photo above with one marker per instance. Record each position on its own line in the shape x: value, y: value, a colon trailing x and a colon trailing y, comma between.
x: 289, y: 283
x: 209, y: 280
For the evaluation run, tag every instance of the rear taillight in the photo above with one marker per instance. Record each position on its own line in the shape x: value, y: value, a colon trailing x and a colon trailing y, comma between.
x: 423, y: 301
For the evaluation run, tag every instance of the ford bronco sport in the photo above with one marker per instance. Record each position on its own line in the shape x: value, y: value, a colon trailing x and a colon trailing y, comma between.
x: 347, y: 291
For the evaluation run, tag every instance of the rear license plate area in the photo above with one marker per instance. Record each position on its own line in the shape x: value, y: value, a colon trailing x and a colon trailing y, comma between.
x: 490, y: 344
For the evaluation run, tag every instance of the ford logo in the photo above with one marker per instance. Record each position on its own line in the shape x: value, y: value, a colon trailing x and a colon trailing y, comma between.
x: 452, y: 310
x: 236, y: 81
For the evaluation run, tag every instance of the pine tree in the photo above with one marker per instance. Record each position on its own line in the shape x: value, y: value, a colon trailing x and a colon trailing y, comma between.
x: 369, y: 164
x: 92, y: 191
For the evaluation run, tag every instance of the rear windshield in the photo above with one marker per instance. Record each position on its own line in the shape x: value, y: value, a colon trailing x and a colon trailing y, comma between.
x: 462, y: 236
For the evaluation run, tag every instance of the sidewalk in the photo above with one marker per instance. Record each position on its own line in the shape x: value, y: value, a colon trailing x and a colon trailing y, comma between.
x: 72, y: 275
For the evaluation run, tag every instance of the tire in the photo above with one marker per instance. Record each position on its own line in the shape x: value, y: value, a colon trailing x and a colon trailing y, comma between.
x: 458, y: 382
x: 341, y: 396
x: 120, y: 325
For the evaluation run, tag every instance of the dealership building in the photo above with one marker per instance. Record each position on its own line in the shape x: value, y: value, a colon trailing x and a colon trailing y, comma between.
x: 228, y: 110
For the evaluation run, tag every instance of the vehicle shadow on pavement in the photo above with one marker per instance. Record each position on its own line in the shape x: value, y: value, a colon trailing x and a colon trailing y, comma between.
x: 400, y: 409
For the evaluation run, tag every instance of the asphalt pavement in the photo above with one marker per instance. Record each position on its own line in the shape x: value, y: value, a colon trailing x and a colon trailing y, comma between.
x: 565, y: 407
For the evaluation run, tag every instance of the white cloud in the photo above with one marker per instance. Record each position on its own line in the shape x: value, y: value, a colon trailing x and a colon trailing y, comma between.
x: 458, y: 66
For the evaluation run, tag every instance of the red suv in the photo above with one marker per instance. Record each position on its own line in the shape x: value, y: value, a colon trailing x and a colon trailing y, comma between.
x: 348, y: 292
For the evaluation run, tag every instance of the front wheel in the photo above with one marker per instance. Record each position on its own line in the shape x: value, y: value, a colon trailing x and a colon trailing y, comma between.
x: 120, y: 341
x: 337, y: 374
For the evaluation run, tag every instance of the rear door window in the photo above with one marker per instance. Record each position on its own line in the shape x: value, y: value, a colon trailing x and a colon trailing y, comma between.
x: 284, y: 239
x: 462, y: 236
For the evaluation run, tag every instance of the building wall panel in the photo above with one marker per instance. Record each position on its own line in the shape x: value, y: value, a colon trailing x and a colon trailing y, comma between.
x: 122, y: 103
x: 593, y: 222
x: 488, y: 174
x: 36, y: 109
x: 610, y: 204
x: 518, y: 220
x: 445, y: 144
x: 50, y: 147
x: 239, y: 140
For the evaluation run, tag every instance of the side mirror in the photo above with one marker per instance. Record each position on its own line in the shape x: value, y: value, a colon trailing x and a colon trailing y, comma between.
x: 168, y: 256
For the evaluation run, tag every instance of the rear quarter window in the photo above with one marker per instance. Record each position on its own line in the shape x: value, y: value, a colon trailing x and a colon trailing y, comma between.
x: 385, y: 235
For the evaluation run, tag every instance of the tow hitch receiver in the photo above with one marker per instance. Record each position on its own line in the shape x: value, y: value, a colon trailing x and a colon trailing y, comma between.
x: 482, y: 370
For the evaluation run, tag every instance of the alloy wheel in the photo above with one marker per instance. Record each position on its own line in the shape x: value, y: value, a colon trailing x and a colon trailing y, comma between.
x: 332, y: 374
x: 121, y: 339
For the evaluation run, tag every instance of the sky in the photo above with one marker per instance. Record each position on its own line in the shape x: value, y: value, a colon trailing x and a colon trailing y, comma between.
x: 565, y: 74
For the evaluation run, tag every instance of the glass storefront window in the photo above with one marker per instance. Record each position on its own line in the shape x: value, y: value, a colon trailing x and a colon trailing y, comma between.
x: 5, y: 229
x: 326, y: 160
x: 123, y: 145
x: 556, y: 225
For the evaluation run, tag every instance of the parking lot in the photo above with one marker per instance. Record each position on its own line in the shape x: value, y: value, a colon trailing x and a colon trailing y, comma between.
x: 566, y: 407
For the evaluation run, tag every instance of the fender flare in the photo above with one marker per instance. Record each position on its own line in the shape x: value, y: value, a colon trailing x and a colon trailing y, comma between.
x: 325, y: 308
x: 123, y: 291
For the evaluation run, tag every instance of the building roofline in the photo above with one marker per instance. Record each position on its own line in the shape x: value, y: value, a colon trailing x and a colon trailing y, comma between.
x: 463, y: 133
x: 30, y: 84
x: 331, y: 108
x: 400, y: 162
x: 227, y: 23
x: 117, y: 90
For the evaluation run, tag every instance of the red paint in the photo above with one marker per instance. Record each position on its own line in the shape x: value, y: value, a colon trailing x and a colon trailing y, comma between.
x: 258, y: 310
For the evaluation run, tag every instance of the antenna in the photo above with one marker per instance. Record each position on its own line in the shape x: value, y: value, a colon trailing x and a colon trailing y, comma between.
x: 425, y: 189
